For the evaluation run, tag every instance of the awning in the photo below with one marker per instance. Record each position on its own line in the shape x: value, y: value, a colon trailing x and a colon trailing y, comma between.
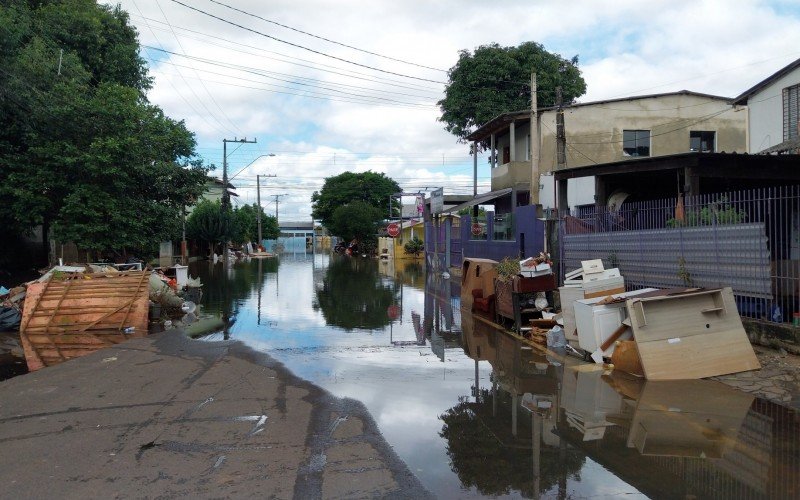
x: 480, y: 199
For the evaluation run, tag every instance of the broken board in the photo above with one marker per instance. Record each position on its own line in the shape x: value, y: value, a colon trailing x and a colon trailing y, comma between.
x: 690, y: 334
x: 68, y: 319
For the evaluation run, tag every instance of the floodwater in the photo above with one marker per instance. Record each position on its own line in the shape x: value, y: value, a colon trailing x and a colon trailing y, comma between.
x: 474, y: 412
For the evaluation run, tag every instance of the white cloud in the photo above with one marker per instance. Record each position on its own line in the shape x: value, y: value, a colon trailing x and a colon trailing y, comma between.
x: 626, y: 47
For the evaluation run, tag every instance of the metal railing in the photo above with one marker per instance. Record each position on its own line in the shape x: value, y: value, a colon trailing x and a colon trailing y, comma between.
x: 748, y: 240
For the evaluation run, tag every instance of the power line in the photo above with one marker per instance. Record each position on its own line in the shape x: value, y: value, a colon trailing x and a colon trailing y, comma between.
x: 195, y: 70
x: 219, y: 127
x: 326, y: 39
x: 305, y: 48
x: 291, y: 59
x: 258, y: 72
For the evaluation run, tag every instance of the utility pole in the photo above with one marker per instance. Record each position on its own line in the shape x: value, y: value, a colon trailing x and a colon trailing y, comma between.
x: 226, y: 196
x: 534, y: 141
x: 561, y: 138
x: 277, y: 199
x: 258, y: 201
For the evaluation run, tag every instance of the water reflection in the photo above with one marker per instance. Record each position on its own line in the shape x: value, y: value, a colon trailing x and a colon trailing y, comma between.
x: 476, y: 412
x: 673, y: 439
x: 353, y: 295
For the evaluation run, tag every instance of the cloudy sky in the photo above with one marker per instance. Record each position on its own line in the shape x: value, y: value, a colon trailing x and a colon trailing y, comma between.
x: 350, y: 85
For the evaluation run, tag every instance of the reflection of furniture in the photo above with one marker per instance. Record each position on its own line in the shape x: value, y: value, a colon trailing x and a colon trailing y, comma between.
x: 514, y: 298
x: 481, y: 303
x: 688, y: 418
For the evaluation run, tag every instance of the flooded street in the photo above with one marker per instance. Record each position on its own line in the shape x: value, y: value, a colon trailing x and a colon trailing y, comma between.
x: 475, y: 412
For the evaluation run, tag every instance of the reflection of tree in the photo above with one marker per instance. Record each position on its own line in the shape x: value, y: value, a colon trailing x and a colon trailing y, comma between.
x: 352, y: 295
x: 409, y: 273
x: 221, y: 295
x: 484, y: 454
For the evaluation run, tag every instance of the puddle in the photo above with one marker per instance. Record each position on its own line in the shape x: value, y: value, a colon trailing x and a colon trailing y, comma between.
x: 474, y: 413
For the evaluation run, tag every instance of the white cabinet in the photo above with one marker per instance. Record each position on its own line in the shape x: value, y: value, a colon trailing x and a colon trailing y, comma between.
x: 596, y: 322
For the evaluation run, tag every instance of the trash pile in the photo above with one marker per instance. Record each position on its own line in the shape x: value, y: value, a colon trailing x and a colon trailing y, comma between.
x: 670, y: 334
x: 11, y: 302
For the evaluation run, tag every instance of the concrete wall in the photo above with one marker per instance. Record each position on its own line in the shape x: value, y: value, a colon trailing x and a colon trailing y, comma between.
x: 766, y: 113
x: 594, y: 131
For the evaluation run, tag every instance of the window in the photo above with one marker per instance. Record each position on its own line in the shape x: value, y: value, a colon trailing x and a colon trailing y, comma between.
x: 702, y: 141
x: 636, y: 142
x: 791, y: 112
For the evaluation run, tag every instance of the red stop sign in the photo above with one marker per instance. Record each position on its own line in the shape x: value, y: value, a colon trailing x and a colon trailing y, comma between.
x: 477, y: 229
x: 393, y: 312
x: 393, y: 229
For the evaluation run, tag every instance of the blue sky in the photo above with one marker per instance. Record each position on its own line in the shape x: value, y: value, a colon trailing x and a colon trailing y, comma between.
x: 311, y: 112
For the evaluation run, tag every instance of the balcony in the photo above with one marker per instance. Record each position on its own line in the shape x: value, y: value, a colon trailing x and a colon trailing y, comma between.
x: 511, y: 174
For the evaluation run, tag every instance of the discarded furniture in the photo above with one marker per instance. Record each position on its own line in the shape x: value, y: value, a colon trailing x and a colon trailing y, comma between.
x: 596, y: 320
x: 68, y: 319
x: 481, y: 303
x: 476, y: 274
x: 590, y: 281
x: 515, y: 298
x: 689, y: 334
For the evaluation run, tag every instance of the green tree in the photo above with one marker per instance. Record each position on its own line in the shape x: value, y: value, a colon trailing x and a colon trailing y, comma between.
x: 357, y: 220
x: 493, y: 80
x: 246, y: 219
x: 371, y: 188
x: 81, y: 149
x: 210, y: 224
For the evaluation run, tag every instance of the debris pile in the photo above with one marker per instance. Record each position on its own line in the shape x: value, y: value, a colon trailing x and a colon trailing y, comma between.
x: 684, y: 333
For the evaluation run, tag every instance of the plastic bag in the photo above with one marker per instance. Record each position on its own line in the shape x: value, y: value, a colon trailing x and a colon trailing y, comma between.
x: 556, y: 338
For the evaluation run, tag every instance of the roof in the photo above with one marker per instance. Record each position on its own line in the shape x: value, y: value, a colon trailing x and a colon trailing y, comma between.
x: 791, y: 146
x: 745, y: 96
x: 758, y: 166
x: 499, y: 122
x: 479, y: 200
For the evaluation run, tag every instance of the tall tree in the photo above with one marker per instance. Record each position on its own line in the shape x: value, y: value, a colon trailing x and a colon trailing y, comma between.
x: 357, y: 220
x: 246, y: 220
x: 493, y: 80
x: 371, y: 188
x: 81, y: 149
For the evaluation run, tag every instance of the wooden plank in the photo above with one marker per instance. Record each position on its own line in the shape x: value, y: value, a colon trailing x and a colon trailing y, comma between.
x: 678, y: 341
x: 80, y: 316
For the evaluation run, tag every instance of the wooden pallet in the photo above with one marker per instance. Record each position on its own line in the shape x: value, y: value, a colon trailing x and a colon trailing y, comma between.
x: 67, y: 319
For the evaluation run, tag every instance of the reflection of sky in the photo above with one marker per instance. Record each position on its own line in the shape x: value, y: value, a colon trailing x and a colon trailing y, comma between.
x: 405, y: 388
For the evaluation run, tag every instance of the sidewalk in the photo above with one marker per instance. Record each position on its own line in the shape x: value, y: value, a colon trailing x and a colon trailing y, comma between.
x: 165, y: 416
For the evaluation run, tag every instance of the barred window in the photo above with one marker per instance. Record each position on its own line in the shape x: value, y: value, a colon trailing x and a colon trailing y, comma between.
x: 791, y: 112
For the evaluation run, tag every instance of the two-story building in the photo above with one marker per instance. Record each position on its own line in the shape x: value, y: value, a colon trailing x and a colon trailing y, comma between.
x: 773, y: 112
x: 603, y: 132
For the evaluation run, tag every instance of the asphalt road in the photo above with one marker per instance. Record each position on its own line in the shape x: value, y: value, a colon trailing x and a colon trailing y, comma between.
x: 167, y: 417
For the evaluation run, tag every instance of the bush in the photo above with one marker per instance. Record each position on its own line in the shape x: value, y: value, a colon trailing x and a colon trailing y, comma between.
x: 414, y: 246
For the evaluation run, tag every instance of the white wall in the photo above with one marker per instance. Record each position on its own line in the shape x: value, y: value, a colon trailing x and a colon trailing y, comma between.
x: 765, y: 110
x: 580, y: 191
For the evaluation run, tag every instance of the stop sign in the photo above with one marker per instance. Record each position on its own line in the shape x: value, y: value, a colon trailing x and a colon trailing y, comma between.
x: 393, y: 312
x: 477, y: 229
x: 393, y: 229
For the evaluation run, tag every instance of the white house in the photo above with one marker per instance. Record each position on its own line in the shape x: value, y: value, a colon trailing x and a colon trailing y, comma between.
x: 773, y: 112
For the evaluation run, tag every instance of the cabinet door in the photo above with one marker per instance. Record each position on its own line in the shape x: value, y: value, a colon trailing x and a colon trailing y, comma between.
x: 606, y: 321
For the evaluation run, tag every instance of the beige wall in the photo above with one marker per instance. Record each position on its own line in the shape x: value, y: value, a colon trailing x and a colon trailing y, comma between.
x: 594, y: 131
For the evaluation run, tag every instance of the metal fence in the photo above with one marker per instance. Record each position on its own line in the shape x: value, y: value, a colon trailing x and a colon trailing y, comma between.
x: 748, y: 240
